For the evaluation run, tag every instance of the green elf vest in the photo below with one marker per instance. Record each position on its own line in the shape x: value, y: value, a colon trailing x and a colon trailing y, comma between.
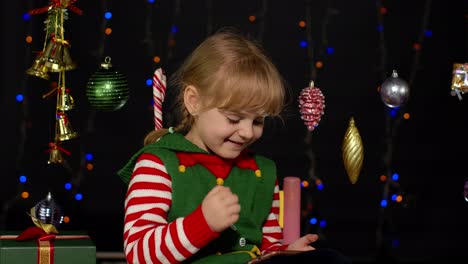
x: 237, y: 244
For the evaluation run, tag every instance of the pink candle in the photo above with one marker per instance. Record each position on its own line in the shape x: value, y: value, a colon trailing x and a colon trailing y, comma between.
x: 292, y: 209
x: 159, y: 91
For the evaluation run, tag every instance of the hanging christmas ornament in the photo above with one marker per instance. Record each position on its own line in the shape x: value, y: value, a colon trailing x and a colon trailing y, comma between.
x: 394, y: 91
x: 353, y: 152
x: 39, y: 69
x: 55, y: 153
x: 65, y: 101
x: 465, y: 191
x: 311, y: 106
x: 63, y: 128
x: 47, y: 214
x: 459, y: 79
x: 107, y: 89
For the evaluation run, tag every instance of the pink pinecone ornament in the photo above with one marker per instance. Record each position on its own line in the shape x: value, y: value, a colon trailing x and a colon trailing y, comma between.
x: 311, y: 106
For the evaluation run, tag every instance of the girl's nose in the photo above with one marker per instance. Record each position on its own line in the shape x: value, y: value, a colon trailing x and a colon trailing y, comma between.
x: 246, y: 130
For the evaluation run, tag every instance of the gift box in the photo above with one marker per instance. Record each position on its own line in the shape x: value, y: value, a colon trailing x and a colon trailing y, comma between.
x: 63, y: 248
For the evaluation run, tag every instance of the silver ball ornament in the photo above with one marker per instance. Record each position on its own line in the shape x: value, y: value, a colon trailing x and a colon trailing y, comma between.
x: 394, y: 91
x: 48, y: 211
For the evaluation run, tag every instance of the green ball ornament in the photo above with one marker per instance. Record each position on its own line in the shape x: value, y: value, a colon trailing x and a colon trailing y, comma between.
x: 107, y: 89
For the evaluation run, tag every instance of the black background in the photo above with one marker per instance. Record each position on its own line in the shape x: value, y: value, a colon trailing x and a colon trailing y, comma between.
x: 430, y: 148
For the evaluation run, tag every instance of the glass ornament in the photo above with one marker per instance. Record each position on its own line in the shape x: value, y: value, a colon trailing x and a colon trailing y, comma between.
x: 465, y: 191
x: 47, y: 211
x: 107, y: 89
x: 394, y: 91
x: 311, y: 106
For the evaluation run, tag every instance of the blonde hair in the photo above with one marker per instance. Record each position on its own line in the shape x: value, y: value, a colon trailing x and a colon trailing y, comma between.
x: 231, y: 72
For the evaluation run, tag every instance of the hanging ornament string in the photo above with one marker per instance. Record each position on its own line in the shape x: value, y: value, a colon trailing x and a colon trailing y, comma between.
x: 159, y: 91
x: 311, y: 107
x: 173, y: 30
x: 394, y: 93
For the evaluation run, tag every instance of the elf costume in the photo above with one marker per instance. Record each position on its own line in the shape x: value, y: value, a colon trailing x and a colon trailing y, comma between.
x: 168, y: 181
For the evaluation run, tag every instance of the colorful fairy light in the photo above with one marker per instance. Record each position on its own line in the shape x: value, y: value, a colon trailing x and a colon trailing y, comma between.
x: 313, y: 221
x: 107, y: 15
x: 25, y: 195
x: 383, y: 203
x: 78, y: 197
x: 89, y: 166
x: 22, y: 179
x: 89, y: 156
x: 19, y: 98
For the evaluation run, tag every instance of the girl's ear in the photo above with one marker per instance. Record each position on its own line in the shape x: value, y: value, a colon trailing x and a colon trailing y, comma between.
x: 192, y: 99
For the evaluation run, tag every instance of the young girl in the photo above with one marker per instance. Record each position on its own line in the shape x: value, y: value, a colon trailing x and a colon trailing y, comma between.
x: 196, y: 193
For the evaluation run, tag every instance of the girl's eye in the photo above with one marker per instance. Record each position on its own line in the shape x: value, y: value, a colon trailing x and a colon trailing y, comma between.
x: 258, y: 121
x: 233, y: 120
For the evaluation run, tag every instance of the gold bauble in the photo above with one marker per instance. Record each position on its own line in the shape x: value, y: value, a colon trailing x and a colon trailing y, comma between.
x: 353, y: 152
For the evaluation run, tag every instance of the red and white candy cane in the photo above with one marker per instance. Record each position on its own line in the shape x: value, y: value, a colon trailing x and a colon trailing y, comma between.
x: 159, y: 91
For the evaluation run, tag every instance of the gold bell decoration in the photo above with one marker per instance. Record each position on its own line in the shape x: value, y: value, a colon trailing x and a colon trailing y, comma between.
x: 353, y: 152
x: 63, y: 128
x: 39, y: 69
x: 55, y: 153
x: 459, y: 79
x: 57, y: 56
x: 65, y: 101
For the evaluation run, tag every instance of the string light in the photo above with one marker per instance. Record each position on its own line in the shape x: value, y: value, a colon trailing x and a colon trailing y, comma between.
x: 25, y: 195
x: 22, y: 179
x: 394, y: 115
x: 156, y: 59
x: 383, y: 178
x: 19, y: 98
x: 313, y: 221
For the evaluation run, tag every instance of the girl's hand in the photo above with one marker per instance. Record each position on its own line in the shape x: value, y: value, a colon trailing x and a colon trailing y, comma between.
x: 221, y: 208
x: 302, y: 244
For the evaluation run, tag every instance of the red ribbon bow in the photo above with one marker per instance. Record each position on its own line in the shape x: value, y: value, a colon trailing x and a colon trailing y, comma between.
x: 57, y: 4
x: 53, y: 146
x: 35, y: 232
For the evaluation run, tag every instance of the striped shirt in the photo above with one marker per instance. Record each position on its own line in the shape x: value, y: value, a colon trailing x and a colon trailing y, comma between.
x: 150, y: 238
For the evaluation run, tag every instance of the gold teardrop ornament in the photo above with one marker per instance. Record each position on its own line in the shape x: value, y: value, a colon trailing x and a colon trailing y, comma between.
x: 353, y: 152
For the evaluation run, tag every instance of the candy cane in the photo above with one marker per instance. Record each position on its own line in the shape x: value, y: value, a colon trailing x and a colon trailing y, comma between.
x: 159, y: 91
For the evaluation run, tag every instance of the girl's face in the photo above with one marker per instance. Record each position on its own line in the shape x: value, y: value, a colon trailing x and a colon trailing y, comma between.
x: 225, y: 133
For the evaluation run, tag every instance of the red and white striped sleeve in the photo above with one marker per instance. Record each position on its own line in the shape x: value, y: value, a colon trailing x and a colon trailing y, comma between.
x: 148, y: 236
x: 272, y: 232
